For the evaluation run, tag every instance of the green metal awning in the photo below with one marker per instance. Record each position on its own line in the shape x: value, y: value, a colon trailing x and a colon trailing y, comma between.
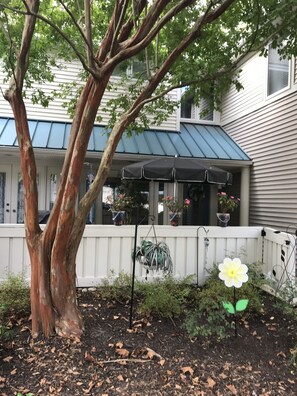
x: 193, y: 140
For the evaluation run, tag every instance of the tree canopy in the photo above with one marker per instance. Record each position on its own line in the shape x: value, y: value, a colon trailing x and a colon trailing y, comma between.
x: 65, y: 32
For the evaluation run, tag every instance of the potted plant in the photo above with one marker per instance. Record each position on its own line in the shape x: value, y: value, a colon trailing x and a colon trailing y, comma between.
x: 118, y: 208
x: 227, y: 204
x: 175, y: 208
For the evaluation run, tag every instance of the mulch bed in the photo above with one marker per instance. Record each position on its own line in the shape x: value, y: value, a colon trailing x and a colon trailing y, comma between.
x: 155, y: 358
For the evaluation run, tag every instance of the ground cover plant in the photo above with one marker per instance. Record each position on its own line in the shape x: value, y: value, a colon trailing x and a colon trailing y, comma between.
x: 158, y: 356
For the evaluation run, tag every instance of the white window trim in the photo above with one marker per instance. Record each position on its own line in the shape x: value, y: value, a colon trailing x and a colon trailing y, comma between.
x: 283, y: 90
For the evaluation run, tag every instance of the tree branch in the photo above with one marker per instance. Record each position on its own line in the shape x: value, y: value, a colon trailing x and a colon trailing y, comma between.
x: 88, y: 37
x: 206, y: 18
x: 94, y: 72
x: 138, y: 7
x: 153, y: 16
x: 118, y: 24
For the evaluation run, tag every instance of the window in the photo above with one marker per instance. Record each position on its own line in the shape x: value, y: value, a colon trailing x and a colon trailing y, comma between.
x: 189, y: 110
x: 134, y: 68
x: 278, y: 72
x: 53, y: 188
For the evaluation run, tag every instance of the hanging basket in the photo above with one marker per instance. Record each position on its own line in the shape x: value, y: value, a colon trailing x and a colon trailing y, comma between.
x: 154, y: 256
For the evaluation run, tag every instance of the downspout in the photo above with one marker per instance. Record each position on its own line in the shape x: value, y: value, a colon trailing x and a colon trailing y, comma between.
x: 244, y: 196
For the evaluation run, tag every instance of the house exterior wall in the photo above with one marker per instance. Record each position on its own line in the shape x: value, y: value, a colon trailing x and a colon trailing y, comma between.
x: 56, y: 112
x: 266, y: 128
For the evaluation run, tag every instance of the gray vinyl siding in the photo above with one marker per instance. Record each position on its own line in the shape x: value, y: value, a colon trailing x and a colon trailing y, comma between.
x: 235, y: 103
x: 56, y: 112
x: 269, y: 137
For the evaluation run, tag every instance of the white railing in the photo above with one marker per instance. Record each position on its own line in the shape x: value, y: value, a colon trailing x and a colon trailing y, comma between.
x: 107, y: 249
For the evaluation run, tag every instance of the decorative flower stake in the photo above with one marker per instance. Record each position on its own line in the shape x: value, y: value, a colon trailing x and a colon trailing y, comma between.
x: 234, y: 274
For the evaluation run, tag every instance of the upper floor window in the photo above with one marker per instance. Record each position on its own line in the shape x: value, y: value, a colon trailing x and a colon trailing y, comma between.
x: 133, y: 68
x: 278, y: 72
x: 193, y: 112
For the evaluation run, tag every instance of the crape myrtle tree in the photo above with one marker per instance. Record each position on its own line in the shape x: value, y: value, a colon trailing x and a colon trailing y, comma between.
x: 182, y: 43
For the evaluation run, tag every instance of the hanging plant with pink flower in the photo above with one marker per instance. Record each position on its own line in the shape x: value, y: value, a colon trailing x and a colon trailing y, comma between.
x: 174, y: 205
x: 122, y: 202
x: 227, y: 203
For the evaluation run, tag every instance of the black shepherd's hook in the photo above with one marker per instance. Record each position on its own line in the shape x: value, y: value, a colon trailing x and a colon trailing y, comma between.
x: 152, y: 217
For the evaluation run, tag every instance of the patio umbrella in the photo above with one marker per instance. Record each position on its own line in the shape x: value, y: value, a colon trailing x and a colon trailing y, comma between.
x: 176, y: 169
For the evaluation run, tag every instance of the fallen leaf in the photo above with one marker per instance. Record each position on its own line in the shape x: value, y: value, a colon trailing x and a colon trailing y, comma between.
x: 8, y: 359
x: 187, y: 370
x: 30, y: 360
x: 232, y: 389
x: 183, y: 377
x: 151, y: 354
x: 211, y: 383
x: 122, y: 352
x: 91, y: 386
x: 13, y: 372
x: 282, y: 354
x: 119, y: 344
x: 272, y: 328
x: 162, y: 362
x: 120, y: 377
x: 89, y: 357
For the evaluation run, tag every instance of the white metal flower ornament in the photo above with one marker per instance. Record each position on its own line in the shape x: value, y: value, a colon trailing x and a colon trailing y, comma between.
x: 233, y: 272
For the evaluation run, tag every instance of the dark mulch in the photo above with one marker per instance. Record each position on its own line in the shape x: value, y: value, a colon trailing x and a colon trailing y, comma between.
x: 155, y: 358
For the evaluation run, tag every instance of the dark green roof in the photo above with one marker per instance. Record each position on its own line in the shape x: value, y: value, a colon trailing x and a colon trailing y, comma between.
x: 193, y: 140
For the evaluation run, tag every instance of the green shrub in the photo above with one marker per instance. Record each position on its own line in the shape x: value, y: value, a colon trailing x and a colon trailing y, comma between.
x: 208, y: 317
x: 14, y: 295
x: 14, y: 300
x: 166, y: 297
x: 117, y: 288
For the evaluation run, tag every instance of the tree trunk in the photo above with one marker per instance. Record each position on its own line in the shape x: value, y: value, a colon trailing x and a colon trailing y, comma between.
x: 53, y: 310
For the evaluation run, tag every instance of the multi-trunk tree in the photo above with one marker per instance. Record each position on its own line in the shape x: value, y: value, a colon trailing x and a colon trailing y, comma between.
x: 182, y: 43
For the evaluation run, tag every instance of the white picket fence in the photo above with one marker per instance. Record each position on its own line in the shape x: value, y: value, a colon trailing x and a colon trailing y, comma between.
x: 106, y: 250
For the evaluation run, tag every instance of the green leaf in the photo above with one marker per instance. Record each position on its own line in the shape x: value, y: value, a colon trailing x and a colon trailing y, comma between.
x: 229, y: 307
x: 241, y: 305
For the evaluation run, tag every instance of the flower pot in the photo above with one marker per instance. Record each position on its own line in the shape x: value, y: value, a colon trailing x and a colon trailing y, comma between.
x: 174, y: 218
x: 223, y: 219
x: 118, y: 217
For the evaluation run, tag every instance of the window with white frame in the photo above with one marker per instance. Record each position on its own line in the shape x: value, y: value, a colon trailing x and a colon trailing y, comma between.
x: 191, y: 111
x: 278, y: 72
